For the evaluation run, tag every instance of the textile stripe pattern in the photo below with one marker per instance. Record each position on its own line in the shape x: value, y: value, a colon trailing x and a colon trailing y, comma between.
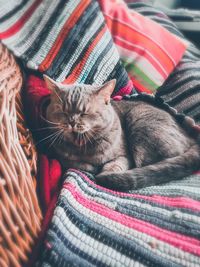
x: 93, y: 226
x: 70, y: 40
x: 67, y: 40
x: 149, y: 51
x: 181, y: 90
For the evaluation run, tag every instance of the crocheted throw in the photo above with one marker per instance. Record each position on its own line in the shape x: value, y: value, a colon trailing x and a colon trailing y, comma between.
x: 155, y: 226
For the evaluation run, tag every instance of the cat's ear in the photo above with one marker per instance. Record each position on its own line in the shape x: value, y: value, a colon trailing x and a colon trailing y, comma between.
x: 106, y: 90
x: 51, y: 84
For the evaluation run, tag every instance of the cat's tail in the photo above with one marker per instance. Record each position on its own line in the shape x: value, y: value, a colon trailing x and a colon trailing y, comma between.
x: 161, y: 172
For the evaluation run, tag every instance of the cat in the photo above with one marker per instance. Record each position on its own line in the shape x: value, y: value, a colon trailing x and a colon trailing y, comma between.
x: 126, y: 144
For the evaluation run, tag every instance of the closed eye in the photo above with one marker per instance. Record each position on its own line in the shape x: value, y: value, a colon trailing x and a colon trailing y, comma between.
x: 84, y: 114
x: 60, y: 113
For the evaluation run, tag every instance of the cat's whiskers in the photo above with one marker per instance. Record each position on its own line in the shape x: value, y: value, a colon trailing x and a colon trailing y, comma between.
x: 85, y: 142
x: 60, y: 139
x: 88, y: 137
x: 47, y: 138
x: 44, y: 128
x: 55, y: 138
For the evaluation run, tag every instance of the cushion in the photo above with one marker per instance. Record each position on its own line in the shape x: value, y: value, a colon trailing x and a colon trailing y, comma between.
x: 67, y: 40
x: 149, y: 52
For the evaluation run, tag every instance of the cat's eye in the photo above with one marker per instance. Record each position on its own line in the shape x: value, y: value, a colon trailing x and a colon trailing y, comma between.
x: 84, y: 114
x: 61, y: 114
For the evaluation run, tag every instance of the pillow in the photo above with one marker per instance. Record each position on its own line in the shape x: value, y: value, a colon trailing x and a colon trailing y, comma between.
x: 67, y: 40
x: 149, y: 51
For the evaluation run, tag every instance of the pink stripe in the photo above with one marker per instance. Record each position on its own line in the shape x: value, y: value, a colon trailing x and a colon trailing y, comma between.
x: 118, y: 11
x: 140, y: 50
x: 185, y: 243
x: 181, y: 202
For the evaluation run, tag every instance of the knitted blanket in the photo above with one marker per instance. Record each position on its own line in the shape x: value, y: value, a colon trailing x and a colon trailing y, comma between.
x: 155, y: 226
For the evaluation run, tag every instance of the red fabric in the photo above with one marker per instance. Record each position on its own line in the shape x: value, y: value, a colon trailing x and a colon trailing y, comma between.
x: 49, y: 170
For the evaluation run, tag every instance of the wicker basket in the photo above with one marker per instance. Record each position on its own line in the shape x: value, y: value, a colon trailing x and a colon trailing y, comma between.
x: 20, y: 215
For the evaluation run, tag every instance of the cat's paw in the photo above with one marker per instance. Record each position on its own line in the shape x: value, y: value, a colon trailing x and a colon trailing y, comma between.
x: 112, y: 167
x: 106, y: 179
x: 117, y: 181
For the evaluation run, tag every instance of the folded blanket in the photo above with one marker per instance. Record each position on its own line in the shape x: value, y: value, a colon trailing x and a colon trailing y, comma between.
x: 155, y: 226
x: 67, y: 40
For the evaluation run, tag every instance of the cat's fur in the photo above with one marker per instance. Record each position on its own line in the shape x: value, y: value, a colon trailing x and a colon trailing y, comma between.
x: 127, y: 144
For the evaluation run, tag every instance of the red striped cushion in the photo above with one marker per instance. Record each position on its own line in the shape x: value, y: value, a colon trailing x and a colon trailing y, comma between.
x: 148, y: 50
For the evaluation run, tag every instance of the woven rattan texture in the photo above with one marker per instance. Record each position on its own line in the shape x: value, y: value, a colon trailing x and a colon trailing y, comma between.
x: 25, y: 138
x: 20, y: 214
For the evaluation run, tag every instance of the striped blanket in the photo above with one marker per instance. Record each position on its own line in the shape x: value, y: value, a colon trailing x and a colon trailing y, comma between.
x: 155, y: 226
x: 67, y: 40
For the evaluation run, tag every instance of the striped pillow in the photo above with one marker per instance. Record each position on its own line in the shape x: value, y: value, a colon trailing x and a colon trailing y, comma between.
x: 149, y: 51
x: 67, y: 40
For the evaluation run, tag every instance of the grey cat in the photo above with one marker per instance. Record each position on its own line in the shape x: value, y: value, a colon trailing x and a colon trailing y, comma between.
x: 126, y: 144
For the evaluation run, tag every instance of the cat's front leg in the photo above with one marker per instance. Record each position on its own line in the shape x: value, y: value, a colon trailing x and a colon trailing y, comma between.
x: 119, y: 164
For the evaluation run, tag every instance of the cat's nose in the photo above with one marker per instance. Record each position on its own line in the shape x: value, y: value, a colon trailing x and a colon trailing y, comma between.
x: 72, y: 123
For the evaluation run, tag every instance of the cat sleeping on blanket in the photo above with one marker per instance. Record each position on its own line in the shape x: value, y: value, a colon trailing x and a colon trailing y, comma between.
x: 126, y: 144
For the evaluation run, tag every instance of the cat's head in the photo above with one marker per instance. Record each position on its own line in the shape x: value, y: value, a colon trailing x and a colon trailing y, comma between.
x: 80, y: 112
